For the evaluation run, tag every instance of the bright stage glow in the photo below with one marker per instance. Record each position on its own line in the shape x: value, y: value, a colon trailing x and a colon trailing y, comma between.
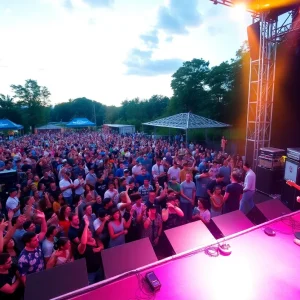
x: 238, y: 12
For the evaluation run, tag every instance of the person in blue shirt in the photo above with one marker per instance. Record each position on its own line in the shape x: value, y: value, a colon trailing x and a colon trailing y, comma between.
x: 120, y: 171
x: 139, y: 180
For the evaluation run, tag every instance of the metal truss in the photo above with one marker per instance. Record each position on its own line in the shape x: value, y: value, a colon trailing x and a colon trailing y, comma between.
x: 262, y: 78
x: 262, y: 83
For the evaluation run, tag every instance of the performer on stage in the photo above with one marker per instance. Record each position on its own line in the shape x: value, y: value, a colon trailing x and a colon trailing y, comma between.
x: 247, y: 202
x: 295, y: 185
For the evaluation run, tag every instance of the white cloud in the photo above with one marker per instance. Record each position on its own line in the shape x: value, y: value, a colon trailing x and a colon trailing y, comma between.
x: 81, y: 52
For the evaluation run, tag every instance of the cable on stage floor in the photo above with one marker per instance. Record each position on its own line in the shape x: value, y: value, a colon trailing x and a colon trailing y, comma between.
x: 143, y: 292
x: 212, y: 251
x: 292, y: 223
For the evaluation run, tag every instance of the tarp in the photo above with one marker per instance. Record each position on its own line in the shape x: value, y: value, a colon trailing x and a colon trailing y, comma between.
x: 80, y: 122
x: 6, y: 124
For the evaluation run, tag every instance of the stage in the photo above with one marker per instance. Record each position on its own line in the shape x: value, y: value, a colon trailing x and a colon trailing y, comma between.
x: 260, y: 268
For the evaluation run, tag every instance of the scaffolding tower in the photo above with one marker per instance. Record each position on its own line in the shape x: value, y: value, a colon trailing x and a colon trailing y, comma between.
x: 262, y: 77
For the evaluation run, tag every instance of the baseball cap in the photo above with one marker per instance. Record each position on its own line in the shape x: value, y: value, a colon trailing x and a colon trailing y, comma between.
x: 152, y: 206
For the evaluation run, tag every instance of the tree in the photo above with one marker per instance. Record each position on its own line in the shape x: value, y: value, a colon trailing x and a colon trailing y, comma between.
x: 111, y: 114
x: 78, y: 108
x: 33, y: 99
x: 220, y: 82
x: 8, y: 109
x: 189, y: 86
x: 6, y: 102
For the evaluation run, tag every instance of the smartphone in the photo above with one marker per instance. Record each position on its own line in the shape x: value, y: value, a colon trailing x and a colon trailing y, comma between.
x: 2, y: 217
x: 30, y: 208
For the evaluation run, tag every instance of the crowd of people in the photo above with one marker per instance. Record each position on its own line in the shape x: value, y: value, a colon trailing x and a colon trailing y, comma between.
x: 77, y: 193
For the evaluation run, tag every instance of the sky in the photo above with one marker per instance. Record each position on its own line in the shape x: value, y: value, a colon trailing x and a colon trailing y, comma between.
x: 112, y: 50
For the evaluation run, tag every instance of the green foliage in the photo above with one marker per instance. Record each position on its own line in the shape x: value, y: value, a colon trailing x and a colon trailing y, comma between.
x: 32, y: 99
x: 189, y: 86
x: 219, y: 93
x: 8, y: 109
x: 136, y: 111
x: 79, y: 108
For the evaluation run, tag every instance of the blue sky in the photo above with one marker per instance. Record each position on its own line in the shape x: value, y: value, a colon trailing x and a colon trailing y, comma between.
x: 111, y: 50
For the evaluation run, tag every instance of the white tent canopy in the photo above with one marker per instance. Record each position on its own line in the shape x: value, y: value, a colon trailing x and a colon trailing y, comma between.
x: 186, y: 121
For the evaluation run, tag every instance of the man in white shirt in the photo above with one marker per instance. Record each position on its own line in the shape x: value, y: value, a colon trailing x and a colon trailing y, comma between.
x: 79, y: 183
x: 137, y: 169
x: 247, y: 203
x: 12, y: 202
x: 66, y: 186
x: 112, y: 193
x: 159, y: 173
x: 174, y: 172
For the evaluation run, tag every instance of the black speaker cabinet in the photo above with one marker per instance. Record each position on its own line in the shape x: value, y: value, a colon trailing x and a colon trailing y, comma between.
x: 57, y: 281
x: 269, y: 181
x: 127, y: 257
x: 9, y: 178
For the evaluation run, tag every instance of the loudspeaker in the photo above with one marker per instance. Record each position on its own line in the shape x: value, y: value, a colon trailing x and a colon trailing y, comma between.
x: 289, y: 197
x: 127, y: 257
x: 273, y: 209
x: 190, y: 236
x: 58, y: 281
x: 232, y: 223
x: 253, y: 32
x: 269, y: 181
x: 9, y: 178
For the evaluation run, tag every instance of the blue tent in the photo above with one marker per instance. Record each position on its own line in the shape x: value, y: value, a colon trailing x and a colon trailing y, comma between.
x: 80, y: 122
x: 6, y: 124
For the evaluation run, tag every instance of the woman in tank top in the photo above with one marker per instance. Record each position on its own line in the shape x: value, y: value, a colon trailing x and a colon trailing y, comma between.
x: 62, y: 253
x: 117, y: 228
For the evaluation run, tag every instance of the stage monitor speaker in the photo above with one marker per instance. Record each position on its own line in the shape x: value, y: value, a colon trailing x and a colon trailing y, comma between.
x: 269, y: 181
x: 232, y: 223
x: 9, y: 178
x: 127, y: 257
x: 253, y: 32
x: 190, y: 236
x: 58, y: 281
x: 273, y: 209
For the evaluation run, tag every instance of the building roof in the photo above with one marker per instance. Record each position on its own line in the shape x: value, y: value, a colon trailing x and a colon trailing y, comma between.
x: 118, y: 125
x: 80, y: 122
x: 186, y: 121
x: 6, y: 124
x: 49, y: 127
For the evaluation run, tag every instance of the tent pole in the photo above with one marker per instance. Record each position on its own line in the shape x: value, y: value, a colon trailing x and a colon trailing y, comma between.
x: 187, y: 127
x: 186, y: 137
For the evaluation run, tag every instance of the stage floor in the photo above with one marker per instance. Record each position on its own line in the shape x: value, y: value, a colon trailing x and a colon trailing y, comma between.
x: 259, y: 268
